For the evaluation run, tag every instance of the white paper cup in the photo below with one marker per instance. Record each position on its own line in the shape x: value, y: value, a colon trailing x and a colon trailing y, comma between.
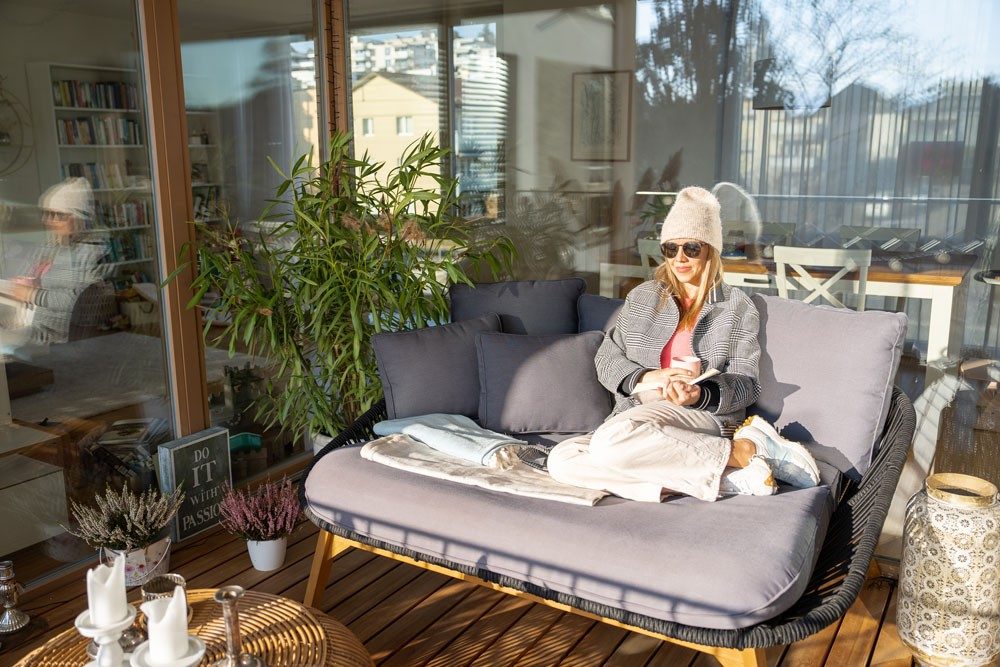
x: 692, y: 364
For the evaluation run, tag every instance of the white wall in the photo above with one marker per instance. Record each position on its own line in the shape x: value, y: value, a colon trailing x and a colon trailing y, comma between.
x: 547, y: 47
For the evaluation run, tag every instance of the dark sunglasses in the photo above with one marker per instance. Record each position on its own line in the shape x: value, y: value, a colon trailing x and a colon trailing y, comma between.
x: 692, y: 249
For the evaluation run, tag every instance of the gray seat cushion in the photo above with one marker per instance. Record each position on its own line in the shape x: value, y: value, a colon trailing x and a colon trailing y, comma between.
x: 826, y: 376
x: 728, y: 564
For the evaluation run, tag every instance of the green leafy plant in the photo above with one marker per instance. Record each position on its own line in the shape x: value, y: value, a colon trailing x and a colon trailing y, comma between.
x: 125, y: 521
x: 351, y: 249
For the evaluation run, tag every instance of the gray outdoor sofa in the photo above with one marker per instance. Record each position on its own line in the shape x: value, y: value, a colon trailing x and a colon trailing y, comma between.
x: 729, y: 577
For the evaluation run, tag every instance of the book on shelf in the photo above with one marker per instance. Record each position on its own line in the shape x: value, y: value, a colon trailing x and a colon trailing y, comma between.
x: 206, y: 202
x: 95, y: 95
x: 105, y: 175
x: 146, y: 432
x: 98, y: 130
x: 121, y: 214
x: 199, y: 172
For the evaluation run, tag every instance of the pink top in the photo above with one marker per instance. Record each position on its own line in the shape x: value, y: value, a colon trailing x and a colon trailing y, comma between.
x: 679, y: 344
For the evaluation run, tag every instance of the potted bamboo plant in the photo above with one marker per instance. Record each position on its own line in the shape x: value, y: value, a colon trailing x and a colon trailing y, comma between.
x: 129, y: 524
x: 349, y: 249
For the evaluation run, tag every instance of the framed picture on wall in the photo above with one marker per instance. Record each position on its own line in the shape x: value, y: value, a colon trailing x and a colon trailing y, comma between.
x: 602, y: 115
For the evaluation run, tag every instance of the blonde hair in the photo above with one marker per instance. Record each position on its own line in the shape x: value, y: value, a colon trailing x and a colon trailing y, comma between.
x: 711, y: 277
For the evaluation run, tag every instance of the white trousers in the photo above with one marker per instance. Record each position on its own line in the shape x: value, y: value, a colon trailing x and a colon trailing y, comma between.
x: 645, y: 452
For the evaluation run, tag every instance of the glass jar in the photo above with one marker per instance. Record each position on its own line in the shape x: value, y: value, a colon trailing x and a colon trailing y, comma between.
x: 949, y: 584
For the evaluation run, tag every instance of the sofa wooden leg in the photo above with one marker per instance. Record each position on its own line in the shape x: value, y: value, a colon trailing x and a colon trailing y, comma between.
x: 750, y: 657
x: 328, y: 546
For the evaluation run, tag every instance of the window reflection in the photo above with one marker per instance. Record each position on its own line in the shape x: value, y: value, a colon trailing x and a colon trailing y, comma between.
x: 251, y: 95
x: 83, y: 390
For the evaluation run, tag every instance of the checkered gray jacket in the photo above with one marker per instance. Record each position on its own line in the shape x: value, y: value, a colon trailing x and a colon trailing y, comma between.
x: 725, y: 337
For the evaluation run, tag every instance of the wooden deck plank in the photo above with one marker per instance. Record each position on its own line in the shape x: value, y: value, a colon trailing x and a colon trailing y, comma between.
x: 424, y: 647
x: 672, y: 655
x: 519, y: 637
x: 357, y: 605
x: 467, y: 646
x: 396, y: 605
x: 557, y: 642
x: 858, y: 631
x: 595, y: 647
x: 415, y: 622
x: 344, y: 565
x: 811, y: 651
x: 413, y: 617
x: 635, y: 651
x: 889, y: 648
x: 772, y: 656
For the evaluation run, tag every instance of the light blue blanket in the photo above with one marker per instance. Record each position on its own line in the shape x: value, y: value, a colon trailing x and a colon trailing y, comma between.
x: 458, y: 436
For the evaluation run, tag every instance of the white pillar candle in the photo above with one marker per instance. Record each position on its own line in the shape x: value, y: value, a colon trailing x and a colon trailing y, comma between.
x: 166, y: 621
x: 106, y: 593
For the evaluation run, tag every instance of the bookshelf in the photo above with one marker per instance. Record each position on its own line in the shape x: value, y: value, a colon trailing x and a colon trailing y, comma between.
x: 207, y: 168
x: 89, y: 122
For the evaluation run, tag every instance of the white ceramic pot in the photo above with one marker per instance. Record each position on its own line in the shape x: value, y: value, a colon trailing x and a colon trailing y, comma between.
x: 143, y: 564
x: 319, y: 441
x: 267, y: 555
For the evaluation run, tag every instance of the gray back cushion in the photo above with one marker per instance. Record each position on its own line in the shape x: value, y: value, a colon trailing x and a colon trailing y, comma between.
x: 537, y: 307
x: 536, y: 384
x: 597, y: 313
x: 826, y: 376
x: 432, y: 370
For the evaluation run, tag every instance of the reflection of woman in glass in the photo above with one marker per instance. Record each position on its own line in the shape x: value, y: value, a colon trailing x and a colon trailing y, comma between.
x: 63, y: 268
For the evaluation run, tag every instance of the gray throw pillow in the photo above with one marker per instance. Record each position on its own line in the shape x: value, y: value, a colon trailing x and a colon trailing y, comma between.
x: 536, y: 307
x: 540, y: 384
x: 597, y: 313
x: 432, y: 370
x: 826, y: 376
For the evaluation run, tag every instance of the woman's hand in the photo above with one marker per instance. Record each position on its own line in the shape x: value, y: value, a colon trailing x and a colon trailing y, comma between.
x: 682, y: 393
x: 666, y: 377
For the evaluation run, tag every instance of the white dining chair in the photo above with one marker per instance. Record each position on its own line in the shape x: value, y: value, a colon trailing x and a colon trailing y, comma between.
x: 650, y: 254
x: 797, y: 259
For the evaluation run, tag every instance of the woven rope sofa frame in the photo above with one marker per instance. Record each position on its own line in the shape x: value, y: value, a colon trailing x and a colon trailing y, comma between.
x: 840, y: 571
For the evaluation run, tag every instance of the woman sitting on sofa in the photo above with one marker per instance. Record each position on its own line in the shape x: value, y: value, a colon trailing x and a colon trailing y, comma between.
x: 674, y: 438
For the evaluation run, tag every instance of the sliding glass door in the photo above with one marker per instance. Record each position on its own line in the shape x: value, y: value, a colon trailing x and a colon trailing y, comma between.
x: 83, y: 386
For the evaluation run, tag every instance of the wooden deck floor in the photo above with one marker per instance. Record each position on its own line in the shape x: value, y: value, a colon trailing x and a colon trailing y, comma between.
x: 409, y: 616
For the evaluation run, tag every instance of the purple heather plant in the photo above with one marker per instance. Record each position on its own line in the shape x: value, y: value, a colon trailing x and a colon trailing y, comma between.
x: 268, y: 513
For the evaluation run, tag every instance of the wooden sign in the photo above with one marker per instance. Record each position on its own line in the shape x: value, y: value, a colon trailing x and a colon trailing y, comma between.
x: 199, y: 464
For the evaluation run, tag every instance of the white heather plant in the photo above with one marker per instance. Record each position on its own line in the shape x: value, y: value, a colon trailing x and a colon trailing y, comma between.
x: 125, y: 521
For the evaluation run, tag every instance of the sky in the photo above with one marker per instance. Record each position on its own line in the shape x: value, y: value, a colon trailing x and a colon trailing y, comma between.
x: 959, y: 43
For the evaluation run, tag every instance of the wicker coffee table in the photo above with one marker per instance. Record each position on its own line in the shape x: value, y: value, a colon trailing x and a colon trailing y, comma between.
x: 281, y: 631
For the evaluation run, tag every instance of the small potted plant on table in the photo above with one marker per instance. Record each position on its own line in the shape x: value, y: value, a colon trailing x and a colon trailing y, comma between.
x: 264, y: 518
x: 132, y: 525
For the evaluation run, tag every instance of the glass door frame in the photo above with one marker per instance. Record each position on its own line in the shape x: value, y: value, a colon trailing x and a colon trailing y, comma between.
x: 159, y: 42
